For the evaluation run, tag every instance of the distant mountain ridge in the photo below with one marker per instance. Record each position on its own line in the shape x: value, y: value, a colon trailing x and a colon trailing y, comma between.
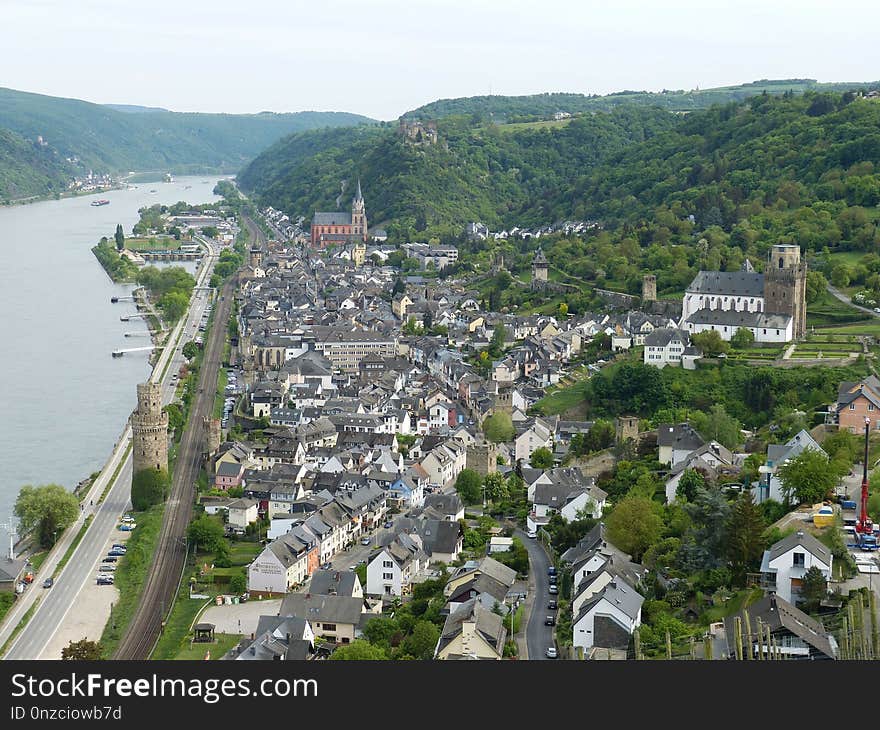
x: 507, y: 108
x: 119, y: 138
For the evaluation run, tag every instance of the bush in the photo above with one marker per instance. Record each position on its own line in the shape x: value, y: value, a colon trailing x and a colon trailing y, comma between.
x: 149, y: 487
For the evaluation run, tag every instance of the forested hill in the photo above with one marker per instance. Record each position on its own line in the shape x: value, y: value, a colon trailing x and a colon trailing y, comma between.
x: 109, y: 140
x: 492, y: 173
x: 28, y: 169
x: 528, y: 108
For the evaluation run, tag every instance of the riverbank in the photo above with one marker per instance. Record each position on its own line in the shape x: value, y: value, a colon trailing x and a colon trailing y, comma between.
x: 61, y: 196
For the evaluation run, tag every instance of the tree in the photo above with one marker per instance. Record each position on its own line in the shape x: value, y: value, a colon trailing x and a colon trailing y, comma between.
x: 175, y: 417
x: 359, y: 650
x: 563, y: 309
x: 149, y: 487
x: 82, y: 650
x: 498, y: 427
x: 190, y: 350
x: 717, y: 425
x: 814, y: 588
x: 496, y: 487
x: 238, y: 583
x: 807, y: 477
x: 206, y: 534
x: 399, y: 287
x: 120, y: 237
x: 742, y: 338
x: 541, y: 458
x: 468, y: 486
x: 422, y: 640
x: 815, y: 286
x: 173, y: 305
x: 634, y: 525
x: 499, y: 336
x: 710, y: 342
x: 691, y: 480
x: 745, y: 536
x: 47, y: 509
x: 840, y: 275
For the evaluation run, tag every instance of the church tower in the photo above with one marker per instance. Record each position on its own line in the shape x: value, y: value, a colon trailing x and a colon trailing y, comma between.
x: 785, y: 286
x: 359, y: 215
x: 539, y: 267
x: 149, y: 430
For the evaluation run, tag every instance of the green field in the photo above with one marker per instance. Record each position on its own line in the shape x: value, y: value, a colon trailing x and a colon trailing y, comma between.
x: 864, y: 327
x: 561, y: 400
x: 196, y: 652
x: 153, y: 243
x: 828, y: 311
x: 546, y: 124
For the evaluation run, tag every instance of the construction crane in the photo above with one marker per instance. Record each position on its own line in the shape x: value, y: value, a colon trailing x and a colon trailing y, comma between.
x: 865, y: 537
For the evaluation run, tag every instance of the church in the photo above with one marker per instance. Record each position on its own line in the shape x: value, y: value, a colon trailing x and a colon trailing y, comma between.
x: 341, y: 227
x: 771, y: 304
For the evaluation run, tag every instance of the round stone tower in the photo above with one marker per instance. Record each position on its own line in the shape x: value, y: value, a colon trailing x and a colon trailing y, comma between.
x: 149, y: 430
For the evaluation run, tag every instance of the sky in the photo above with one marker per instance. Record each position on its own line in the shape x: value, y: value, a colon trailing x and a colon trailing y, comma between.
x: 384, y: 57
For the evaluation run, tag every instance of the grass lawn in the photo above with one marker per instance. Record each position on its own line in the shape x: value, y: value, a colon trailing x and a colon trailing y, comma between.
x: 196, y: 652
x: 220, y: 396
x: 131, y: 574
x: 37, y: 559
x: 153, y: 243
x: 870, y: 326
x: 177, y: 633
x: 242, y: 553
x: 828, y: 310
x: 561, y: 400
x: 735, y: 603
x: 546, y: 124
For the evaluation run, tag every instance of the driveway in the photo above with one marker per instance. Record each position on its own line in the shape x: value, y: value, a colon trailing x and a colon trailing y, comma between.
x: 538, y: 636
x: 837, y: 294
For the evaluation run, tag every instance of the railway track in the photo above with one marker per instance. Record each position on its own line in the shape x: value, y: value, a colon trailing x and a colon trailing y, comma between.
x: 164, y: 577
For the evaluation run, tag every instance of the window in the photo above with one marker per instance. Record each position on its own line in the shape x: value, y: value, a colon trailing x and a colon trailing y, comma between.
x: 387, y: 576
x: 852, y: 406
x: 329, y: 627
x: 798, y: 560
x: 870, y: 406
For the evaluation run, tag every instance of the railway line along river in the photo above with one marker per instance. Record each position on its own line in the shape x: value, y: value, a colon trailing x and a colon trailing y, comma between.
x: 63, y: 399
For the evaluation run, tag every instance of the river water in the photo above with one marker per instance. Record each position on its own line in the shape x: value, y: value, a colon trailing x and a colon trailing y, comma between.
x: 63, y: 399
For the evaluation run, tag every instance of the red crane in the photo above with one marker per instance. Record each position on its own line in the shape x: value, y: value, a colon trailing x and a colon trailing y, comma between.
x: 864, y: 526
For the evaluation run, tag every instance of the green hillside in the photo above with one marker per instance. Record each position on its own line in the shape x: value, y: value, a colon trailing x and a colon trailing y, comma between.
x: 107, y: 139
x: 28, y: 169
x: 525, y: 108
x: 475, y: 172
x: 673, y: 193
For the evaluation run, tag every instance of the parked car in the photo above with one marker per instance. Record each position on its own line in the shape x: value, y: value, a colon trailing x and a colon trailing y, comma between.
x: 105, y: 580
x: 388, y: 525
x: 109, y: 567
x: 552, y: 580
x: 550, y: 621
x: 553, y: 589
x: 127, y: 526
x: 552, y: 605
x: 366, y: 541
x: 551, y: 570
x: 118, y: 546
x: 326, y: 566
x: 532, y: 534
x: 110, y: 559
x: 48, y: 583
x: 117, y: 553
x: 551, y: 652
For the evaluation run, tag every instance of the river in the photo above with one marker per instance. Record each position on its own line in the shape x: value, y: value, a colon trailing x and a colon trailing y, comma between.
x: 64, y: 399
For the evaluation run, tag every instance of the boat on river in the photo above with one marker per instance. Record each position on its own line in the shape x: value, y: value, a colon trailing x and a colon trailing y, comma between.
x: 100, y: 202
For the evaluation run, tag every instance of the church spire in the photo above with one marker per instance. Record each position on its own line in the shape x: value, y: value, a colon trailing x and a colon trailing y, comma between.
x: 359, y: 196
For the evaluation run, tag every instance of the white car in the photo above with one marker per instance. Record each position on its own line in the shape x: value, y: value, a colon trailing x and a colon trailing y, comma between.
x: 532, y: 534
x: 551, y: 652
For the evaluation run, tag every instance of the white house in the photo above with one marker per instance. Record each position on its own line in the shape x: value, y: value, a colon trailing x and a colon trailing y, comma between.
x: 242, y: 512
x: 770, y: 485
x: 665, y: 346
x: 608, y: 618
x: 676, y: 442
x: 785, y: 563
x: 537, y: 436
x: 445, y: 462
x: 283, y: 564
x: 392, y: 569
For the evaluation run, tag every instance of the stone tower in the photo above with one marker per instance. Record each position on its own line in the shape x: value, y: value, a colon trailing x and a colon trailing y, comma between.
x: 539, y: 266
x: 359, y: 215
x: 359, y: 254
x: 627, y: 428
x: 482, y: 457
x: 149, y: 430
x: 256, y: 257
x: 785, y: 286
x: 649, y: 288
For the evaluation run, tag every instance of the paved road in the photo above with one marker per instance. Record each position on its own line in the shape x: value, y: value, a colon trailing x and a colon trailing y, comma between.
x: 56, y: 601
x: 837, y: 294
x: 538, y: 636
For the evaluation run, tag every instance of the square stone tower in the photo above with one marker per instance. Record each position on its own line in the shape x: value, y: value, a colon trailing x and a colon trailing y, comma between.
x: 649, y: 288
x: 785, y: 286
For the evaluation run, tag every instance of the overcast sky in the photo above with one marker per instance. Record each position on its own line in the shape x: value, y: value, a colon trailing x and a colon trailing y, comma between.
x: 384, y: 57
